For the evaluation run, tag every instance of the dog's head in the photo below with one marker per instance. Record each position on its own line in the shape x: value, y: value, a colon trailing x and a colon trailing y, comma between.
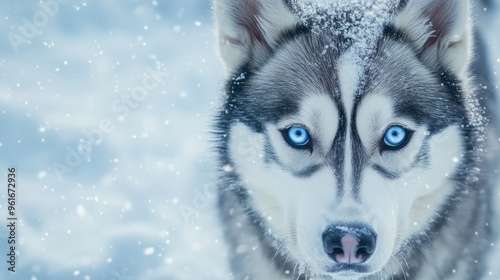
x: 345, y: 124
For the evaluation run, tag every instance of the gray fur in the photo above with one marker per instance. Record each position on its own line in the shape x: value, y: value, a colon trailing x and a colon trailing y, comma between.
x: 265, y: 89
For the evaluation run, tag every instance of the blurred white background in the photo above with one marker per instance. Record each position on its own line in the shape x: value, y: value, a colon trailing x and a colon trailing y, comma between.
x: 116, y: 214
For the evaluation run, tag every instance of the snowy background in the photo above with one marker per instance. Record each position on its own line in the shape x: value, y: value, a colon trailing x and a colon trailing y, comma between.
x: 115, y: 182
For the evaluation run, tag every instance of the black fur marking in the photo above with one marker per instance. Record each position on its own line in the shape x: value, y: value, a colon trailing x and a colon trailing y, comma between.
x: 337, y: 153
x: 308, y: 171
x: 242, y: 101
x: 401, y: 5
x: 359, y: 157
x: 360, y: 268
x: 422, y: 159
x: 398, y: 35
x: 270, y: 155
x: 436, y: 111
x: 290, y: 6
x: 385, y: 173
x: 291, y: 34
x: 436, y: 107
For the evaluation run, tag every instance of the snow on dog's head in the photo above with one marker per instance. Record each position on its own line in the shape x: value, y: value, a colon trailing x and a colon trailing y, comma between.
x: 357, y: 124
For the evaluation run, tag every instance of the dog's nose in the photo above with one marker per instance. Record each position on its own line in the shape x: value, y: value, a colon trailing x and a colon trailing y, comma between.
x: 349, y: 244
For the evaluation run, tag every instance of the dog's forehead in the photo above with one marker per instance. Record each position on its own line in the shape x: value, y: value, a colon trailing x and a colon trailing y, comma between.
x: 313, y: 64
x: 336, y: 33
x: 308, y: 66
x: 345, y: 55
x: 354, y: 23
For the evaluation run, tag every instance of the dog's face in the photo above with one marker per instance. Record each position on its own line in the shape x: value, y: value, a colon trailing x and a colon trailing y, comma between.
x: 345, y: 152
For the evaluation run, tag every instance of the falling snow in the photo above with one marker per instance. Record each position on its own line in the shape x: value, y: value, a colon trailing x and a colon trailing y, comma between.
x: 113, y: 210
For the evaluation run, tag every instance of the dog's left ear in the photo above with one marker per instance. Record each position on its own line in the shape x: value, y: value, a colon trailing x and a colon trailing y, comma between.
x: 440, y: 30
x: 247, y: 30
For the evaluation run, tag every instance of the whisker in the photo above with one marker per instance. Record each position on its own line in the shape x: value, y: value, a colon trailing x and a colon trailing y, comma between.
x: 393, y: 269
x: 281, y: 246
x: 255, y: 210
x: 406, y: 262
x: 402, y: 269
x: 294, y: 269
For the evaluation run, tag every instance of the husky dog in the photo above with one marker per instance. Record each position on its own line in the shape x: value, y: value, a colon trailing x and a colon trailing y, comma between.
x: 351, y: 141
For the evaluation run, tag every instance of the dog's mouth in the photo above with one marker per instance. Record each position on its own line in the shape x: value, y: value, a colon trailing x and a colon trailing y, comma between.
x: 348, y: 269
x: 344, y: 271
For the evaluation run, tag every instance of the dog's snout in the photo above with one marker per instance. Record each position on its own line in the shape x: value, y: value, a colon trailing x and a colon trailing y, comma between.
x: 349, y: 244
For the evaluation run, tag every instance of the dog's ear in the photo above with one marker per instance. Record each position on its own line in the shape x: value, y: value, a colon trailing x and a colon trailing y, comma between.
x: 247, y: 30
x: 440, y: 31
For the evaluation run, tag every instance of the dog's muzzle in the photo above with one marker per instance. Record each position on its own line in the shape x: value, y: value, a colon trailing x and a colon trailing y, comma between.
x: 349, y: 244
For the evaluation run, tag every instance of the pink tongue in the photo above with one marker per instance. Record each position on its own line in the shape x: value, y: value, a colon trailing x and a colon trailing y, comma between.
x: 349, y: 247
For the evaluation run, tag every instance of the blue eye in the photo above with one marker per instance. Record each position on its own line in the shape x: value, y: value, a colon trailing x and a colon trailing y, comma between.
x: 296, y: 136
x: 396, y: 136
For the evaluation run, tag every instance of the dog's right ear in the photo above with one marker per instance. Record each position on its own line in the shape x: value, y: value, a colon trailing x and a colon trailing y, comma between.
x: 248, y: 30
x: 440, y: 31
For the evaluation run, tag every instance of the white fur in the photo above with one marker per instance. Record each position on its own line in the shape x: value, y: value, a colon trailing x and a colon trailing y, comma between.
x: 453, y: 49
x: 236, y: 44
x: 349, y: 73
x: 298, y: 210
